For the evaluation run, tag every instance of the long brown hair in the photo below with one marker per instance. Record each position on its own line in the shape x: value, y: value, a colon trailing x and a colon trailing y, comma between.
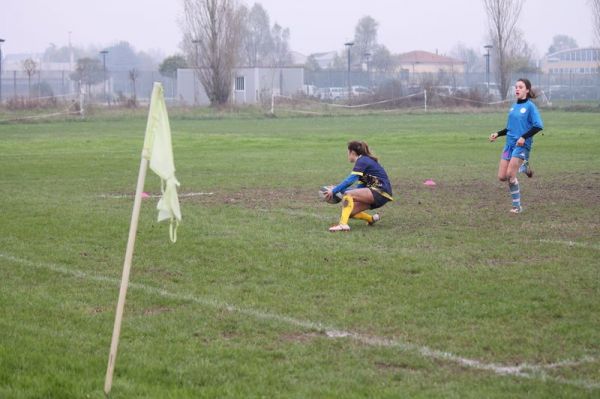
x: 527, y: 83
x: 361, y: 148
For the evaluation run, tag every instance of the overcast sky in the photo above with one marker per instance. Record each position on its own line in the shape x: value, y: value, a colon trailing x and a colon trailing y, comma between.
x: 29, y: 26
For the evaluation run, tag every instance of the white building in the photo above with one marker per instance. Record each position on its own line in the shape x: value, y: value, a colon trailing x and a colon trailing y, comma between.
x: 250, y: 85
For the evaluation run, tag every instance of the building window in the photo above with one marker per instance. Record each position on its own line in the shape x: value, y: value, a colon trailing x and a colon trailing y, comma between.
x: 239, y: 83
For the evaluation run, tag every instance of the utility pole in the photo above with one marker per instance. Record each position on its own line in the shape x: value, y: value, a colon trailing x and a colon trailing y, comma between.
x: 349, y: 46
x: 1, y: 41
x: 104, y: 52
x: 487, y: 67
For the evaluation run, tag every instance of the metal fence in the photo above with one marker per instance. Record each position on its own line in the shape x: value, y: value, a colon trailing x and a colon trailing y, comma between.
x: 559, y: 86
x: 119, y: 85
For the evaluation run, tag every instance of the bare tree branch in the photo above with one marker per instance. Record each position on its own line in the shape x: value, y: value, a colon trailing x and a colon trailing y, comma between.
x: 212, y: 30
x: 502, y: 17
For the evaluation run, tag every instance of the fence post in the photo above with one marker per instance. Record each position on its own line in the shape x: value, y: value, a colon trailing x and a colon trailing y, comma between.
x: 81, y: 101
x: 272, y: 102
x: 425, y: 97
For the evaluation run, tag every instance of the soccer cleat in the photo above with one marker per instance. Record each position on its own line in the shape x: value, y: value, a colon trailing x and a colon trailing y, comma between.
x: 516, y: 209
x: 376, y: 219
x: 339, y: 227
x: 525, y: 168
x: 529, y: 171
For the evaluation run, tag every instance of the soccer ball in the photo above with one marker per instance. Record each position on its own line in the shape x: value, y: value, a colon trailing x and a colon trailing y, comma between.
x: 334, y: 200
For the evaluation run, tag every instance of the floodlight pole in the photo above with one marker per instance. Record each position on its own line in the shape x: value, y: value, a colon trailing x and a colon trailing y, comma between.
x: 349, y: 46
x: 104, y: 52
x: 1, y: 41
x: 487, y: 66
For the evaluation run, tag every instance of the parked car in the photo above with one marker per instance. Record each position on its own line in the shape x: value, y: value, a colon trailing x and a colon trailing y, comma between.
x: 332, y: 93
x: 358, y: 91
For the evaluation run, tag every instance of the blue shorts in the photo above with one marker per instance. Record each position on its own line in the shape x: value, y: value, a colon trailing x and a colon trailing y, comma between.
x: 514, y: 151
x: 379, y: 200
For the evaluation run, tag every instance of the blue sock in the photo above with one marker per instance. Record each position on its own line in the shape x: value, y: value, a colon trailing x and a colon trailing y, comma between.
x: 515, y: 193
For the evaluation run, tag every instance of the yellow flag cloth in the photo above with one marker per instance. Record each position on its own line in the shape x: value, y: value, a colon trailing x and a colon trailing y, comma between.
x: 158, y: 150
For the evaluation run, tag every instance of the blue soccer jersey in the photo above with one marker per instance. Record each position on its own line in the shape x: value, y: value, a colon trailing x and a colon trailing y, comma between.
x: 521, y: 118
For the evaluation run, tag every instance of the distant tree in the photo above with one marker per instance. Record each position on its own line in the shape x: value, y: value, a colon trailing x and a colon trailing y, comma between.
x: 471, y: 58
x: 212, y: 37
x: 521, y: 55
x: 312, y: 64
x: 502, y: 17
x: 121, y: 56
x: 365, y: 39
x: 61, y: 54
x: 562, y: 42
x: 171, y: 64
x: 340, y: 61
x: 382, y: 60
x: 257, y: 42
x: 30, y: 67
x: 281, y: 54
x: 89, y: 71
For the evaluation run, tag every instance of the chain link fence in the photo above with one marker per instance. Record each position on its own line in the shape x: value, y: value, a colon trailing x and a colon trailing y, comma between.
x: 555, y: 86
x: 121, y: 87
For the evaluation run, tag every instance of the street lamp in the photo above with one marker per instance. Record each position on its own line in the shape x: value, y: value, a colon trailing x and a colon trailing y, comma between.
x: 1, y: 41
x: 104, y: 52
x: 349, y: 46
x: 487, y: 66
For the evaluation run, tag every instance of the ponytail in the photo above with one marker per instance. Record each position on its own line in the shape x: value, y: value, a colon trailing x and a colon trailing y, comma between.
x: 361, y: 148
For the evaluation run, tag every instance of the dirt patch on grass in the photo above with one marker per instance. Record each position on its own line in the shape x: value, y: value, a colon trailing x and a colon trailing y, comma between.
x: 257, y: 198
x: 96, y: 310
x: 397, y: 367
x: 155, y: 311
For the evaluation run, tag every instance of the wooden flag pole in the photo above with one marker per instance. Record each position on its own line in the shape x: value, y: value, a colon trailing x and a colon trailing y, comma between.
x: 125, y: 278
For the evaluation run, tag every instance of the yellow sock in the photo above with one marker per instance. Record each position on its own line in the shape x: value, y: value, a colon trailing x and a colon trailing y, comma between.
x: 348, y: 204
x: 364, y: 216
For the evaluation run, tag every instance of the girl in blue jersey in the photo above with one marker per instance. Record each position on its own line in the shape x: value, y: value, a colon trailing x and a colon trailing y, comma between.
x: 372, y: 191
x: 524, y: 122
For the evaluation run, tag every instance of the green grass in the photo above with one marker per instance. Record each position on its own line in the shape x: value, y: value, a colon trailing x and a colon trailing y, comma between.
x: 240, y: 306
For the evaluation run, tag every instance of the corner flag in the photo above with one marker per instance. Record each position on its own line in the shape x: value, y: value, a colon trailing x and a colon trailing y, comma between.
x: 158, y: 150
x: 158, y: 154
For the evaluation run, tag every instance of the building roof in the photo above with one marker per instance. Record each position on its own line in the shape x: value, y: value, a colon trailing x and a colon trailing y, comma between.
x: 298, y: 58
x: 425, y: 57
x: 558, y: 53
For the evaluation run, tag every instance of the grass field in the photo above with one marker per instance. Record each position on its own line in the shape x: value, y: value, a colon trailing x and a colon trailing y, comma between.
x: 448, y: 296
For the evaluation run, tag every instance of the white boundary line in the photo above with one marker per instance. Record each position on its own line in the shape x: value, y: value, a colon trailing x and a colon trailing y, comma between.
x: 525, y: 370
x: 571, y: 244
x: 183, y: 195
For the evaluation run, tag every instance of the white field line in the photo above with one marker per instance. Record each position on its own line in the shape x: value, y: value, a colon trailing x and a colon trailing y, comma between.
x: 183, y: 195
x: 525, y: 370
x: 571, y: 244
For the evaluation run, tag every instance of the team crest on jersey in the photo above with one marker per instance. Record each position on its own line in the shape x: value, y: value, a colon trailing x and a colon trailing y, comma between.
x: 523, y: 110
